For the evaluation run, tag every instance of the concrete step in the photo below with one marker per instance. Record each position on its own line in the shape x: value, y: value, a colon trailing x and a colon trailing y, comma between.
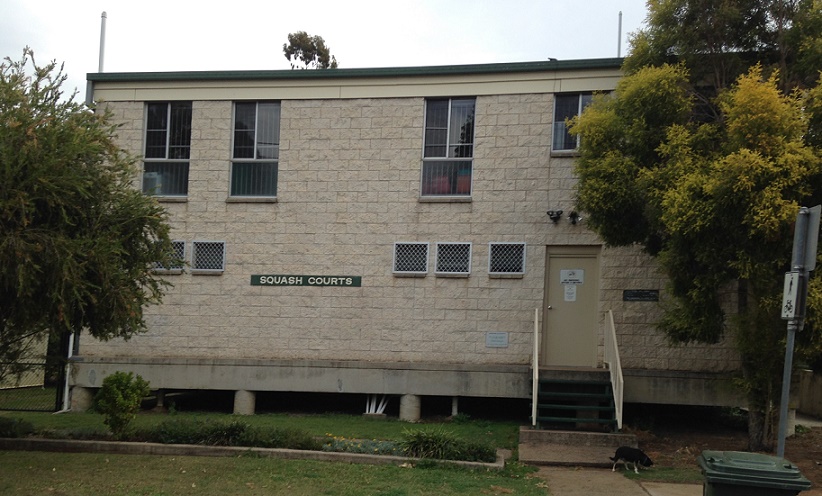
x: 570, y: 448
x: 576, y: 438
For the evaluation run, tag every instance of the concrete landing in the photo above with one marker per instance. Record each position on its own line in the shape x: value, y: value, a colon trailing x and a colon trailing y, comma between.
x: 566, y: 481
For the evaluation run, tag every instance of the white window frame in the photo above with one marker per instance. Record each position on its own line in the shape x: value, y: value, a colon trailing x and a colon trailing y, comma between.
x: 166, y: 160
x: 445, y: 273
x: 460, y: 190
x: 410, y: 273
x: 254, y: 159
x: 583, y: 100
x: 176, y: 269
x: 207, y: 271
x: 498, y: 274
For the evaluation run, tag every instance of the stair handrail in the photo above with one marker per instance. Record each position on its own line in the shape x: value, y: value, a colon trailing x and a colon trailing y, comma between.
x: 535, y: 370
x: 614, y: 366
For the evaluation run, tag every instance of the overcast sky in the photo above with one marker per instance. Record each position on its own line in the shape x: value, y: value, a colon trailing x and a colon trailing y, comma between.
x: 183, y: 35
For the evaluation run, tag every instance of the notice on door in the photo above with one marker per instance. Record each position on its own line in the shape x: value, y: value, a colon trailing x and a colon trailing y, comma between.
x: 572, y: 276
x: 570, y: 292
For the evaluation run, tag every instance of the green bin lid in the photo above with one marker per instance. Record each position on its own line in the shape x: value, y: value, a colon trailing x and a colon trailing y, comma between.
x: 751, y: 469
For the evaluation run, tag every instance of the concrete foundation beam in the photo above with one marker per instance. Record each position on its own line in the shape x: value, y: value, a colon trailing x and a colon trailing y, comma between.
x: 244, y: 402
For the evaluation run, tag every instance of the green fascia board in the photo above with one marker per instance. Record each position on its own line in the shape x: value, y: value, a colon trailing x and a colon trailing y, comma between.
x: 444, y: 70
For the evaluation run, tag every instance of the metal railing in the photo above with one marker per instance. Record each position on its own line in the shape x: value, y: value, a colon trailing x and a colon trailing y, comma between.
x: 614, y: 366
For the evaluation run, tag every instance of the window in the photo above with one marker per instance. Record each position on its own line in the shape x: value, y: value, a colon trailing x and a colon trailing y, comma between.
x: 453, y: 259
x: 449, y: 147
x: 411, y: 259
x: 178, y: 251
x: 506, y: 259
x: 207, y: 257
x: 256, y: 150
x: 567, y: 107
x: 168, y: 149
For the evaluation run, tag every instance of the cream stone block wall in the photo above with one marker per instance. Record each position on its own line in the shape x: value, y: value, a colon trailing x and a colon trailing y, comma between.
x: 348, y: 189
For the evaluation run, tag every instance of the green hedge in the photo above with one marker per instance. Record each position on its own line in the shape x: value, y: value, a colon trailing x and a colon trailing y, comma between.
x: 234, y: 433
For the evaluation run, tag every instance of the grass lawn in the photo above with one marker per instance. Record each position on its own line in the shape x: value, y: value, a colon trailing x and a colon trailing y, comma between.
x: 85, y: 474
x: 90, y: 474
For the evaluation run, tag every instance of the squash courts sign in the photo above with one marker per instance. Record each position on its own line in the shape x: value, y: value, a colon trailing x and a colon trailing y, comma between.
x: 289, y: 280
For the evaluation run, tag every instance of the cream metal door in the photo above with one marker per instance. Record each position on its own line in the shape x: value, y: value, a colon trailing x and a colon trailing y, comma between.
x: 571, y: 307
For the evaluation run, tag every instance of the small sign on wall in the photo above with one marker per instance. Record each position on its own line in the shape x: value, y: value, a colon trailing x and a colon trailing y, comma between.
x: 496, y: 340
x: 292, y: 280
x: 640, y: 295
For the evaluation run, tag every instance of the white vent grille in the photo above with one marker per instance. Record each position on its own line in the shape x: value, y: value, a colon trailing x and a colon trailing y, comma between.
x: 453, y: 259
x: 178, y: 251
x: 411, y: 258
x: 208, y: 256
x: 506, y: 258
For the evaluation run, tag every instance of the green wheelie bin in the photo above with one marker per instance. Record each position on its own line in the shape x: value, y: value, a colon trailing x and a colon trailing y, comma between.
x: 737, y: 473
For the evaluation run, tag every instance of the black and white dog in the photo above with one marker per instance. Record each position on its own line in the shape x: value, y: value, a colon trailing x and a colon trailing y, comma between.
x: 626, y: 455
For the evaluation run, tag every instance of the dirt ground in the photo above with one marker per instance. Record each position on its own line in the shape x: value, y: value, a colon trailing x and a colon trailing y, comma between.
x: 672, y: 444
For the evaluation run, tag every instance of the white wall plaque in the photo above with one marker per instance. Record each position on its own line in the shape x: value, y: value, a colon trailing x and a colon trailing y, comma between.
x: 572, y: 276
x: 496, y: 340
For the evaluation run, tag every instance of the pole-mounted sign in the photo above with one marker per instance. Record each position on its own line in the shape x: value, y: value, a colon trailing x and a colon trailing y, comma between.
x: 794, y: 296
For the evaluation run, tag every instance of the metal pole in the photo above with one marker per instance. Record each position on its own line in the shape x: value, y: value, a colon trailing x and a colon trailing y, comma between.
x: 535, y: 371
x: 102, y: 41
x: 619, y: 36
x: 794, y: 324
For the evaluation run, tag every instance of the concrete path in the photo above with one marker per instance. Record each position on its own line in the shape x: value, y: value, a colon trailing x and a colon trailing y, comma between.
x: 568, y: 481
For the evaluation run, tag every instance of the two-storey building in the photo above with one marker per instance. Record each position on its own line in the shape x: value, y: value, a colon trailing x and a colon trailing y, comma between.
x: 408, y: 232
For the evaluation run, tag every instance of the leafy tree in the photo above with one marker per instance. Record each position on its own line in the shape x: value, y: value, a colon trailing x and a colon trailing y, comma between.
x: 702, y: 156
x: 309, y: 50
x: 77, y: 240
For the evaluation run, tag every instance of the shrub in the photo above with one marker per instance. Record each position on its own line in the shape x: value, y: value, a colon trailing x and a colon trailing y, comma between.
x: 444, y: 445
x: 12, y: 427
x: 119, y: 400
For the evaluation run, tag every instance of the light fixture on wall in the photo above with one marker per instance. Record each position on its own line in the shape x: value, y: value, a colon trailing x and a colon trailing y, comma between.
x: 574, y: 217
x: 555, y: 215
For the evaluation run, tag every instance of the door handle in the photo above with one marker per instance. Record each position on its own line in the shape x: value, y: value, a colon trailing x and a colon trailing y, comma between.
x: 550, y: 307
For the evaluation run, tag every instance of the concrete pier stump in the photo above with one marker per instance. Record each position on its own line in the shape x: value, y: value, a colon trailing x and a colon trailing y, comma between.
x: 410, y: 408
x: 81, y: 399
x: 244, y: 402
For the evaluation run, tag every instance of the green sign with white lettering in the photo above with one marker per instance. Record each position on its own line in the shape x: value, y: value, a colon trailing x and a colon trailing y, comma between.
x: 289, y: 280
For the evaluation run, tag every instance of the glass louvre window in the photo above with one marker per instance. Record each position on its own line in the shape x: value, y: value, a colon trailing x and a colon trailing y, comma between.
x: 208, y: 256
x: 411, y: 259
x: 567, y: 107
x: 448, y: 149
x: 167, y: 148
x: 256, y: 150
x: 453, y: 259
x: 506, y: 258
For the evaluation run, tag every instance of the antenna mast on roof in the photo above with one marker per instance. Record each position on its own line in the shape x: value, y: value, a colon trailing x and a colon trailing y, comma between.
x: 102, y: 41
x: 619, y: 36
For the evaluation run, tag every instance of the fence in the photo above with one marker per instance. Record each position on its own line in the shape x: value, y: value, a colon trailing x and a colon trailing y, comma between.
x: 32, y: 389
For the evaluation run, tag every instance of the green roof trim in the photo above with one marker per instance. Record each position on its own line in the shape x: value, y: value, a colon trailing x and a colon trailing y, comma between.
x: 444, y: 70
